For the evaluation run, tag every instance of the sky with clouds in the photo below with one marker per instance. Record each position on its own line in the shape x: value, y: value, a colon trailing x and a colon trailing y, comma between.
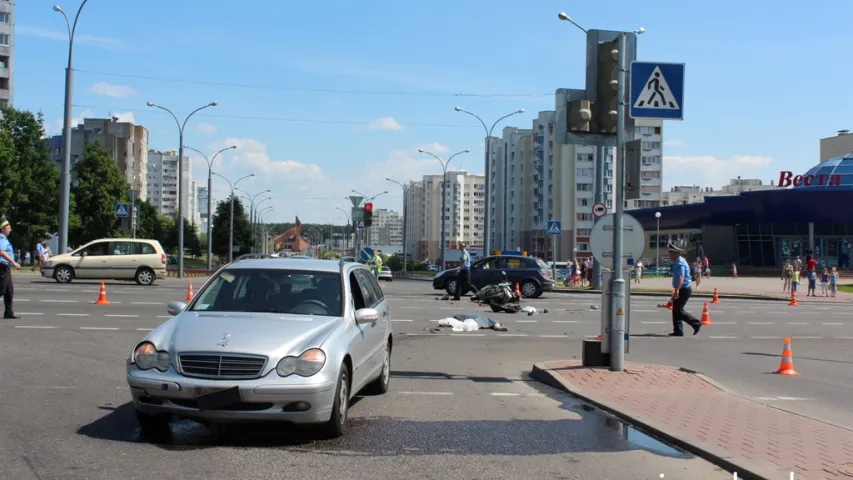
x: 321, y: 100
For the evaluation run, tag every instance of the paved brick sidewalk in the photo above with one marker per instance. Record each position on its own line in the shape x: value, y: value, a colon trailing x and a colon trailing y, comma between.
x: 687, y: 409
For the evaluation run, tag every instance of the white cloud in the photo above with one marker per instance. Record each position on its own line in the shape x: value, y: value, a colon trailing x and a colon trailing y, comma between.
x: 409, y: 164
x: 710, y: 171
x: 108, y: 43
x: 675, y: 142
x: 206, y: 128
x: 385, y: 123
x: 251, y: 156
x: 115, y: 91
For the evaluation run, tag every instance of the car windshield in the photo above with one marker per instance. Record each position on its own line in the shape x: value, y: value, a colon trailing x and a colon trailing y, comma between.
x: 273, y: 290
x: 542, y: 265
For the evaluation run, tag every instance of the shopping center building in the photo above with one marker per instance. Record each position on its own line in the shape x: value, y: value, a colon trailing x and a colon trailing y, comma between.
x: 812, y: 211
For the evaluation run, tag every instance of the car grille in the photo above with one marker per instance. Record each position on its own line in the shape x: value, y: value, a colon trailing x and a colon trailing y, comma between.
x: 221, y: 366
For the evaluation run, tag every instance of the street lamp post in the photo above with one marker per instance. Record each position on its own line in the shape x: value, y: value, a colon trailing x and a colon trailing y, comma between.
x: 405, y: 219
x: 65, y: 177
x: 370, y: 200
x: 487, y: 223
x: 657, y: 244
x: 181, y: 127
x: 252, y: 211
x: 231, y: 219
x: 348, y: 216
x: 444, y: 166
x: 210, y: 199
x: 257, y: 219
x: 262, y: 229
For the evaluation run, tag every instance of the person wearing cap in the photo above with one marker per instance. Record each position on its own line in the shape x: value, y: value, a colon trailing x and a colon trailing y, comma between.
x: 681, y: 287
x: 463, y: 280
x: 7, y: 263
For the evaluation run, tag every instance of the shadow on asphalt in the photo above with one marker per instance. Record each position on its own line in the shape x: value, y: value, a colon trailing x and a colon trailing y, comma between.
x: 594, y: 431
x: 776, y: 355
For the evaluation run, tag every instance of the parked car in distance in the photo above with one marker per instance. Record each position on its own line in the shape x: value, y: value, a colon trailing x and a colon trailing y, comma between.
x: 267, y: 340
x: 385, y: 274
x: 531, y: 274
x: 140, y: 260
x: 433, y: 268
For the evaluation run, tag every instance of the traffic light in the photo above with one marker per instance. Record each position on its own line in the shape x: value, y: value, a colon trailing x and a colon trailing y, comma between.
x: 368, y: 214
x: 606, y: 98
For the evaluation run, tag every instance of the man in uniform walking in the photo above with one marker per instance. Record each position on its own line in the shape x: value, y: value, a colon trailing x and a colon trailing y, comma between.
x: 376, y: 264
x: 681, y: 283
x: 7, y: 263
x: 463, y: 280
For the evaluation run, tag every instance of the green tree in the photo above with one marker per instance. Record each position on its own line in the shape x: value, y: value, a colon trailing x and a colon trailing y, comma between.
x: 191, y: 241
x: 99, y: 186
x: 147, y: 223
x: 165, y: 228
x: 221, y: 224
x: 28, y: 179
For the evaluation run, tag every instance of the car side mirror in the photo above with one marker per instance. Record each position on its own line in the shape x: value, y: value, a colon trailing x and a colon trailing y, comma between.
x: 174, y: 308
x: 366, y: 315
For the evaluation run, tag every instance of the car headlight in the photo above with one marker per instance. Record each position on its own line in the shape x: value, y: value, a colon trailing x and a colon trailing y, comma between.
x: 308, y: 364
x: 146, y: 356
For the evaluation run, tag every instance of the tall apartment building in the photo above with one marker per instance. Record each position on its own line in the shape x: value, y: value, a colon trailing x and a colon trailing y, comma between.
x: 7, y: 50
x: 163, y: 185
x: 463, y: 215
x: 534, y: 179
x: 414, y: 223
x: 126, y: 142
x: 387, y: 228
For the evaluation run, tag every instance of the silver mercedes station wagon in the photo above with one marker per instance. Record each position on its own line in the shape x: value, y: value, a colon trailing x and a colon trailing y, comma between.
x: 267, y: 340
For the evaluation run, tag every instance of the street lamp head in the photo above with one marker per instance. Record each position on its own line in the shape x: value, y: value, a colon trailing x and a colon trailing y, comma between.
x: 57, y: 8
x: 640, y: 30
x: 212, y: 104
x: 233, y: 147
x: 420, y: 150
x: 562, y: 16
x: 267, y: 191
x: 458, y: 109
x: 520, y: 110
x: 251, y: 174
x: 466, y: 151
x: 150, y: 104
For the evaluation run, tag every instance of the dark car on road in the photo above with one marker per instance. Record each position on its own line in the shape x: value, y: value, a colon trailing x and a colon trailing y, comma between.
x: 531, y: 274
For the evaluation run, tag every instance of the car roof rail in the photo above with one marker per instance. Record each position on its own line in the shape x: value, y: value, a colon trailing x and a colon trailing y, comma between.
x: 252, y: 256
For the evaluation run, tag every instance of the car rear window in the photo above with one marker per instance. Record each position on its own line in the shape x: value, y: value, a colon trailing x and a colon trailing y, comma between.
x: 273, y: 291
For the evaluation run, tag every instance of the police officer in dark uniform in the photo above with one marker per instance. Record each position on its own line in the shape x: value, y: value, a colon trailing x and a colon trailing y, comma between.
x: 7, y: 263
x: 463, y: 280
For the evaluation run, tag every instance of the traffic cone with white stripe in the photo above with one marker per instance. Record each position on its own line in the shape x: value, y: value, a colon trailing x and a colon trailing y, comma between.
x: 706, y: 315
x: 793, y: 302
x: 716, y: 298
x: 190, y: 291
x: 102, y: 296
x: 786, y: 366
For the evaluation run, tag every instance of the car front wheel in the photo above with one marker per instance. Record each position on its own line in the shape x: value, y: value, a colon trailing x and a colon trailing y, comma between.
x: 450, y: 286
x: 340, y: 409
x: 63, y: 274
x: 529, y: 289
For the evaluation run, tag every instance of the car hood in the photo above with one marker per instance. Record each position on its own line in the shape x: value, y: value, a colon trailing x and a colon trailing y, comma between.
x: 62, y: 257
x: 268, y: 334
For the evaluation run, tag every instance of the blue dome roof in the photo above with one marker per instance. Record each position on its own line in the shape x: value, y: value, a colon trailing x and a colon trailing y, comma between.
x: 841, y: 166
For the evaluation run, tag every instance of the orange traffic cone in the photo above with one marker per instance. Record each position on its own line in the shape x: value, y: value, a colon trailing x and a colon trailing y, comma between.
x: 793, y: 302
x: 706, y: 316
x: 102, y: 297
x: 190, y: 291
x: 517, y: 290
x: 786, y: 366
x: 716, y: 298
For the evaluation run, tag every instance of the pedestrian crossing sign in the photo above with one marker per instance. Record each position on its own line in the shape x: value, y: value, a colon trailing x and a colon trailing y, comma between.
x: 122, y: 210
x: 554, y: 227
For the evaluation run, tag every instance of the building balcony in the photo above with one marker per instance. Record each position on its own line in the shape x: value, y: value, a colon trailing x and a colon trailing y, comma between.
x: 541, y: 183
x: 5, y: 72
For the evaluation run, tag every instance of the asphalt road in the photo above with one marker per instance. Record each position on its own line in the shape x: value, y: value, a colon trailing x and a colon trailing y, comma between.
x: 460, y: 404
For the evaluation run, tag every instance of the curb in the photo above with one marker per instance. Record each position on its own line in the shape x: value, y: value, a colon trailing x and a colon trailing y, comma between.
x: 542, y: 374
x: 663, y: 293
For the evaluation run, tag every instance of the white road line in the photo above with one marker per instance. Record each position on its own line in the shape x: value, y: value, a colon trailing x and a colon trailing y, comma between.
x: 799, y: 323
x: 72, y: 314
x: 98, y: 328
x: 35, y: 326
x: 144, y: 329
x: 513, y: 335
x: 121, y: 316
x: 590, y: 336
x: 507, y: 394
x: 466, y: 334
x: 843, y: 338
x: 553, y: 336
x: 565, y: 321
x: 725, y: 323
x: 426, y: 393
x: 765, y: 338
x: 841, y: 313
x: 723, y: 337
x: 146, y: 303
x: 806, y: 338
x: 22, y: 300
x: 827, y: 323
x: 29, y: 313
x: 398, y: 320
x: 164, y: 316
x: 760, y: 323
x: 56, y: 301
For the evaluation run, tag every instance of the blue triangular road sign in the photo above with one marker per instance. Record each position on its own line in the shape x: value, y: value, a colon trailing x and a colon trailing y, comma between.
x: 554, y: 228
x: 121, y: 210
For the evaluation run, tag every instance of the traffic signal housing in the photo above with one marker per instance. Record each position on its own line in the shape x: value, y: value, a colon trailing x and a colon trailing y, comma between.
x: 368, y: 214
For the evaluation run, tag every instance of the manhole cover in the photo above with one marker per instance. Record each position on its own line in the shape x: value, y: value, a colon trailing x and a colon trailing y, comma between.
x: 846, y: 469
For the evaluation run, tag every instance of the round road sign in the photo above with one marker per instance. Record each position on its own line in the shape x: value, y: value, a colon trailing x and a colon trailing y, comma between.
x: 633, y: 241
x: 599, y: 210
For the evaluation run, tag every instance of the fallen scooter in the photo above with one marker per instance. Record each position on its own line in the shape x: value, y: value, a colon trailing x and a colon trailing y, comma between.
x: 500, y: 297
